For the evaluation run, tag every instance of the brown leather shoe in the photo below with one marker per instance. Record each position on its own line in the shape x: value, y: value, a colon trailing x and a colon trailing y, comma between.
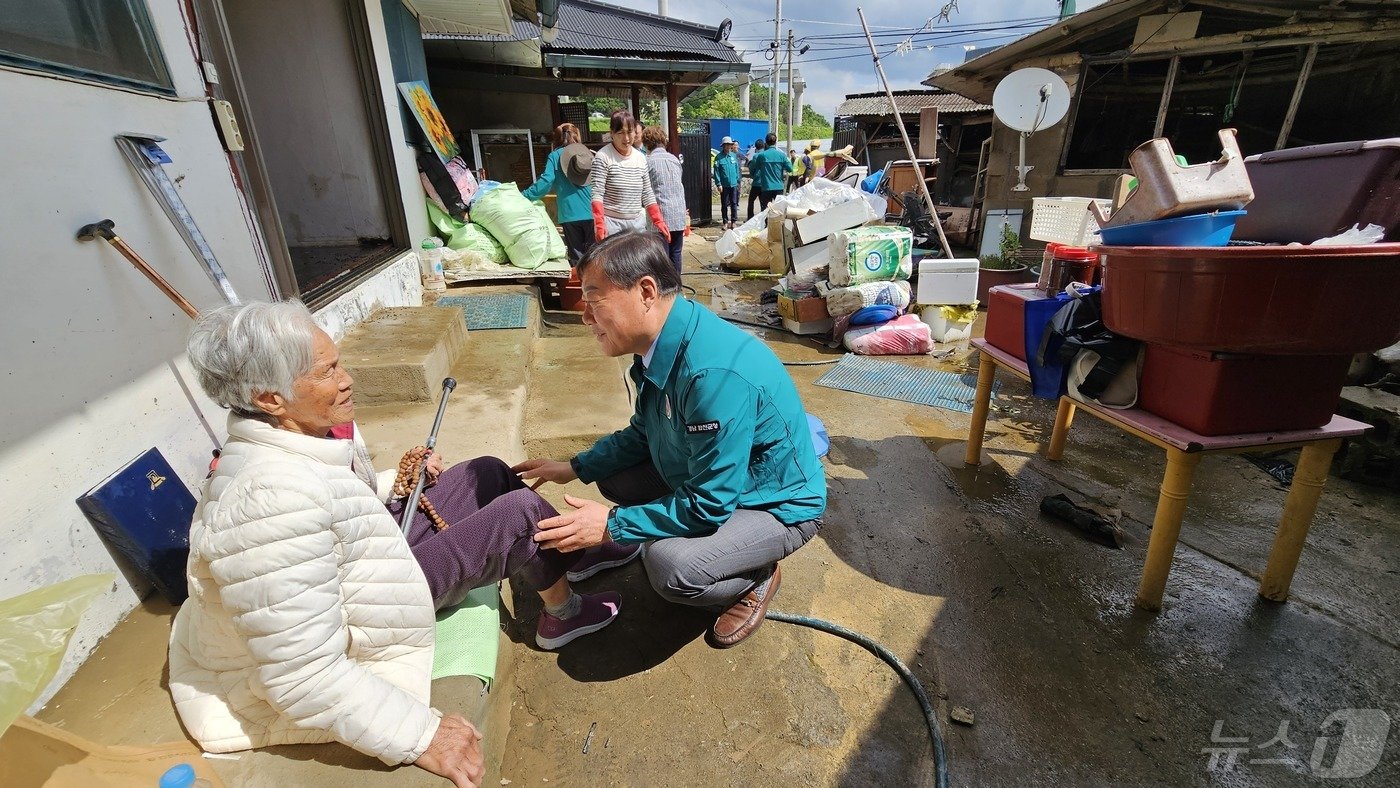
x: 744, y: 616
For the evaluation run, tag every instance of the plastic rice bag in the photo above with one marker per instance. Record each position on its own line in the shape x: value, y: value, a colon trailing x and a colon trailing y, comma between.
x: 848, y: 300
x: 903, y: 336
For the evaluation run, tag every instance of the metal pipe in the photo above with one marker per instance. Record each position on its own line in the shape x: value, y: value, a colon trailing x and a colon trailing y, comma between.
x: 908, y: 146
x: 411, y: 506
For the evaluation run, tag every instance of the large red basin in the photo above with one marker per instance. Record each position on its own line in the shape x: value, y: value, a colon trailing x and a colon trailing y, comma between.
x: 1272, y: 300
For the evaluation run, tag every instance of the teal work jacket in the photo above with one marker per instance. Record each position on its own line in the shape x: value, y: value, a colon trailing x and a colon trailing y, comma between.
x: 720, y: 419
x: 727, y: 170
x: 770, y: 168
x: 573, y: 203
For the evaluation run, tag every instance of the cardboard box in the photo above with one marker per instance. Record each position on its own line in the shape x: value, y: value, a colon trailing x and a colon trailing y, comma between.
x: 818, y: 226
x: 777, y: 259
x: 948, y: 281
x: 802, y: 310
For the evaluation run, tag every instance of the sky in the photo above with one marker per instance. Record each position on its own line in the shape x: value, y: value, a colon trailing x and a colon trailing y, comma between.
x: 836, y: 66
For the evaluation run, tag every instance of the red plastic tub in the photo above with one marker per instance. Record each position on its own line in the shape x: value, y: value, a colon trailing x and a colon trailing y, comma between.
x: 1288, y: 300
x: 1221, y: 394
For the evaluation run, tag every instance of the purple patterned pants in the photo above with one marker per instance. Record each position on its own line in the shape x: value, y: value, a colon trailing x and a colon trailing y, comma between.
x: 492, y: 517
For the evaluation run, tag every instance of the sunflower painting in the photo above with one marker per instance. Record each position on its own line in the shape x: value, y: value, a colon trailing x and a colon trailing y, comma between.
x: 421, y: 103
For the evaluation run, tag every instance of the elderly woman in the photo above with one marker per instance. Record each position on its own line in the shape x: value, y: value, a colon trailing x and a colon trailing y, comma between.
x: 664, y: 169
x: 310, y: 617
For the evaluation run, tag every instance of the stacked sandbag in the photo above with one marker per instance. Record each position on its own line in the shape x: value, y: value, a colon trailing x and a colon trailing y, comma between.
x: 523, y: 230
x: 476, y: 246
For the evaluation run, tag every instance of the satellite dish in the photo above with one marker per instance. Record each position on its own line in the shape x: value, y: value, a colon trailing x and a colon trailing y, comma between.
x: 1031, y: 99
x: 722, y: 32
x: 1028, y: 100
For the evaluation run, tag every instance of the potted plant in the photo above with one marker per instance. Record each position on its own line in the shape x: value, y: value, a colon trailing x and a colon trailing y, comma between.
x: 1004, y: 268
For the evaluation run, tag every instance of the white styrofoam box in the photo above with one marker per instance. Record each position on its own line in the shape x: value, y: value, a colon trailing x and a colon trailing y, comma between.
x: 810, y: 327
x: 943, y: 329
x: 947, y: 281
x: 844, y: 216
x: 809, y: 263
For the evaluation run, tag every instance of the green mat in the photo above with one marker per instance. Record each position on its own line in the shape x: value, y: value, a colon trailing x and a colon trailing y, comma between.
x: 468, y: 635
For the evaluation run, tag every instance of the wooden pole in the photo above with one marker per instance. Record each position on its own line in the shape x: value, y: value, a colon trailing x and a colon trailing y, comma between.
x: 673, y: 115
x: 1287, y: 126
x: 908, y: 146
x: 1166, y: 96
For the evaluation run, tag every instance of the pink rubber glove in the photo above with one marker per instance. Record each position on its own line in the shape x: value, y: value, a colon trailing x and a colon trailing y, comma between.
x: 654, y: 212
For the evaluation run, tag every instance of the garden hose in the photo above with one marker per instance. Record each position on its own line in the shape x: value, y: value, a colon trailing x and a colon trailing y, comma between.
x: 940, y: 760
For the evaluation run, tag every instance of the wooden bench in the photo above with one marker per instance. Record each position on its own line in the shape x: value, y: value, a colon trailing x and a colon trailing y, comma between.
x: 1184, y: 450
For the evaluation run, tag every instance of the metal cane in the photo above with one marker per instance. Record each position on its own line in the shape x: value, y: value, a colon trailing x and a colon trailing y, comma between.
x: 447, y: 385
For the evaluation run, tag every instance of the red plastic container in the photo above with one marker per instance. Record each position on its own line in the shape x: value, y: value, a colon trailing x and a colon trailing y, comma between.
x: 1006, y: 317
x: 1222, y: 394
x: 571, y: 293
x: 1285, y: 300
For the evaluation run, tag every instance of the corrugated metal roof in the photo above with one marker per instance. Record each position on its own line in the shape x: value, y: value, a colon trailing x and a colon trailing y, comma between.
x: 590, y: 27
x: 910, y: 102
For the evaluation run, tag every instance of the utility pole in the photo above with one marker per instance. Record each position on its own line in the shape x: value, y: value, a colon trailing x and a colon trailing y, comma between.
x: 773, y: 89
x: 789, y: 93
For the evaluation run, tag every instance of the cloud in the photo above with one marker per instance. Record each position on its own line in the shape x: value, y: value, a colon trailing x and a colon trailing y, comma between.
x: 839, y: 62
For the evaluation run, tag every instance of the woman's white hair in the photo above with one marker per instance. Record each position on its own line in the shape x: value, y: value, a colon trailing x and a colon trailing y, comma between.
x: 242, y: 351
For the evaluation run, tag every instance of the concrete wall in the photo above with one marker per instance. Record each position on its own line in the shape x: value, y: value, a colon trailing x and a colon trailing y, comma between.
x: 94, y: 372
x: 1043, y: 151
x: 92, y: 351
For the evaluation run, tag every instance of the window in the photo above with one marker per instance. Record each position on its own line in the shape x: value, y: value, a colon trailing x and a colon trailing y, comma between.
x: 1117, y: 112
x: 110, y: 41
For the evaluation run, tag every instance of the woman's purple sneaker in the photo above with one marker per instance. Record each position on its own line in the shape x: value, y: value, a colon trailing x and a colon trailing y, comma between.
x: 596, y: 612
x: 605, y: 556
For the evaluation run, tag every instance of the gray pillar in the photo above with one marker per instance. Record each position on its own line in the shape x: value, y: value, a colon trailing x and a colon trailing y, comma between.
x: 797, y: 89
x: 744, y: 97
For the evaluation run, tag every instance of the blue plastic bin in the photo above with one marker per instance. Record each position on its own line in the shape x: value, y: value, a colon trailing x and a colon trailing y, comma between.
x: 1202, y: 229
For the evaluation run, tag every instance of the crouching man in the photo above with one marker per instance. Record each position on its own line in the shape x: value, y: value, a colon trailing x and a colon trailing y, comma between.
x: 715, y: 473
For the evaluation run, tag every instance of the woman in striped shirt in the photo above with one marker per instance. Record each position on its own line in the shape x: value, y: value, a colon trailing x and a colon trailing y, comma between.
x: 622, y: 195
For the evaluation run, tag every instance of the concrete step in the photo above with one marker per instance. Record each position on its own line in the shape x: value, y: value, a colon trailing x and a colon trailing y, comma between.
x: 403, y: 353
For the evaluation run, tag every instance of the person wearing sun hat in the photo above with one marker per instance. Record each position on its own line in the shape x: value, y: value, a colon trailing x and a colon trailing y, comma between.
x: 727, y: 169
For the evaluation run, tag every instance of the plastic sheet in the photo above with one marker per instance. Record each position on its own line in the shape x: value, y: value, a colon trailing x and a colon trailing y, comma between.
x: 1371, y: 233
x: 34, y: 632
x: 905, y: 336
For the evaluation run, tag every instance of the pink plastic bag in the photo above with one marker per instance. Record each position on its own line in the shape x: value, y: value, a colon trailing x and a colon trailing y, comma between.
x: 903, y: 336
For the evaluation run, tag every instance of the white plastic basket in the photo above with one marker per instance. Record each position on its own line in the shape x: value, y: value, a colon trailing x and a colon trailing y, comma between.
x: 1065, y: 220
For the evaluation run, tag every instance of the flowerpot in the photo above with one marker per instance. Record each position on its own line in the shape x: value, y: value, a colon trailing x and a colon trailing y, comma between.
x: 987, y: 278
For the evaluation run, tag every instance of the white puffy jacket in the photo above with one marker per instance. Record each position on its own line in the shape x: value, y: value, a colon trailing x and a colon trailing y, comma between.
x: 309, y: 620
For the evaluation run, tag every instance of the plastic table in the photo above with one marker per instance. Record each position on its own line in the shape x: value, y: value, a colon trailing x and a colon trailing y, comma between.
x: 1184, y: 450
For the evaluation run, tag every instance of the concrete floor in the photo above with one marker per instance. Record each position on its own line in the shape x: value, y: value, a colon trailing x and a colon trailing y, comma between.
x: 993, y: 606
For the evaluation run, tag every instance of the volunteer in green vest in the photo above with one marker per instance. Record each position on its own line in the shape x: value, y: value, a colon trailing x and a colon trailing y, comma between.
x: 726, y: 171
x: 566, y: 174
x: 769, y: 169
x: 715, y: 472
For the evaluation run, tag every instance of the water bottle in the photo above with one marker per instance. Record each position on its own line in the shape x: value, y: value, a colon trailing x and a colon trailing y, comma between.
x: 430, y: 258
x: 183, y: 776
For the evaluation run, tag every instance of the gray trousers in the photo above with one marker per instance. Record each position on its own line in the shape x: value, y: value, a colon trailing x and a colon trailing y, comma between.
x: 708, y: 571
